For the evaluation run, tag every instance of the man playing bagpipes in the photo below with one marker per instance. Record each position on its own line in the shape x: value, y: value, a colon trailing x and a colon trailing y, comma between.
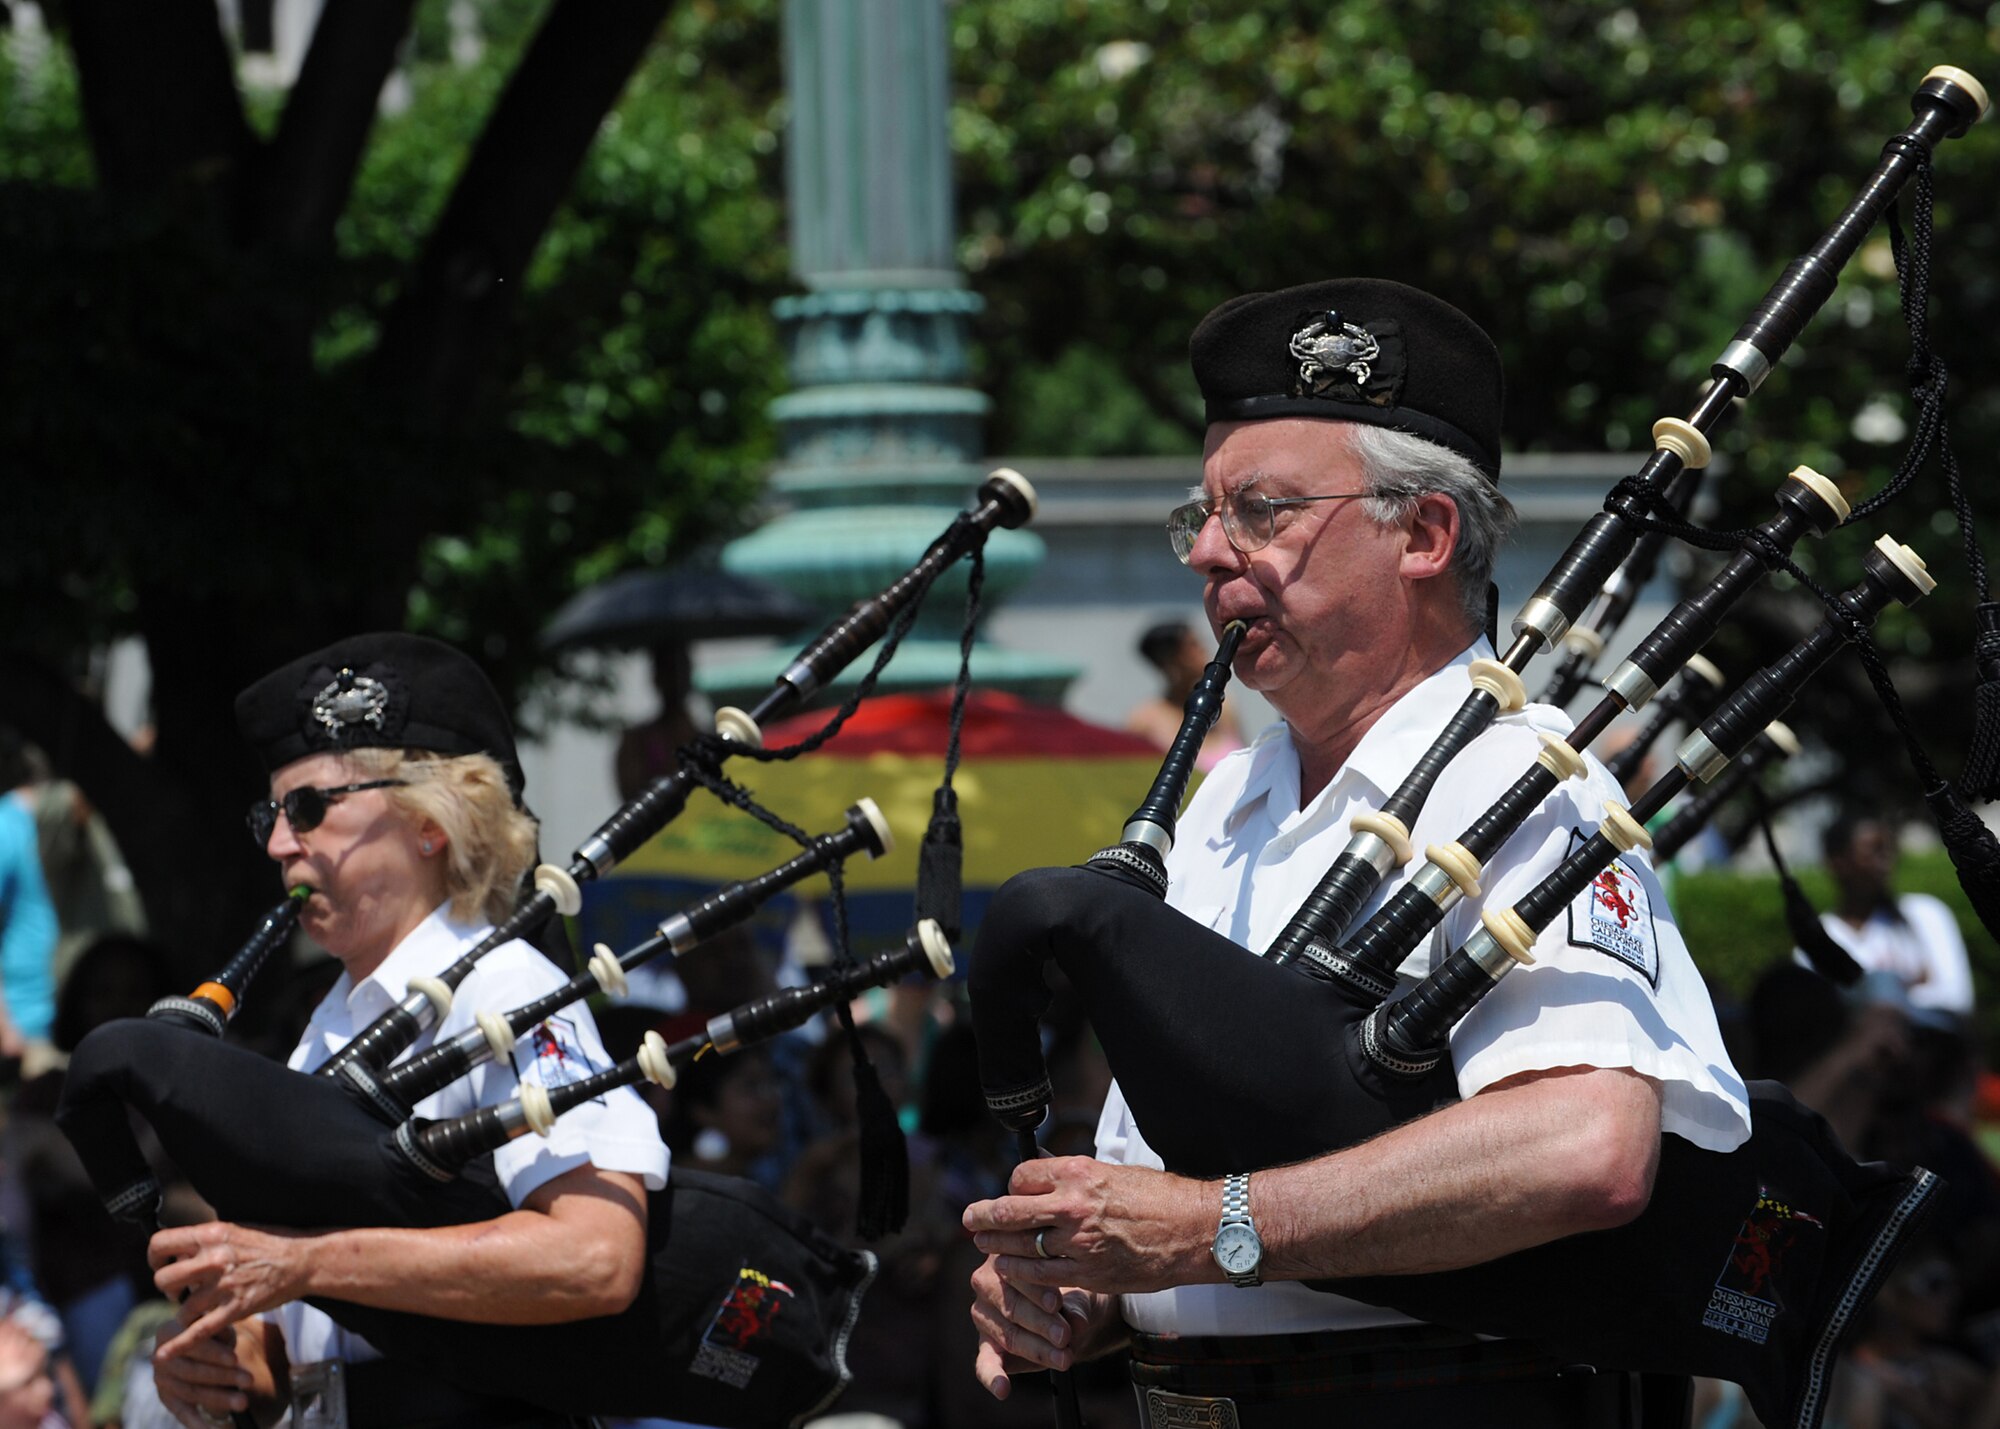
x: 1349, y: 512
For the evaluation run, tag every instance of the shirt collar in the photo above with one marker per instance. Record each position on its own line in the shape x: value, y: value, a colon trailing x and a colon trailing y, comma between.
x: 1386, y: 753
x: 1409, y: 728
x: 432, y: 944
x: 1273, y: 771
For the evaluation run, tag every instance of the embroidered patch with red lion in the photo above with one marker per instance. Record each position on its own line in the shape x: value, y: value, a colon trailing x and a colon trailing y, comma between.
x: 1615, y: 915
x: 745, y: 1316
x: 553, y: 1055
x: 1747, y: 1297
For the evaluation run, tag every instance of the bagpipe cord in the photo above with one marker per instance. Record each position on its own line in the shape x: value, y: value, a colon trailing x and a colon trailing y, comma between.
x: 940, y: 862
x: 1829, y: 959
x: 884, y: 1200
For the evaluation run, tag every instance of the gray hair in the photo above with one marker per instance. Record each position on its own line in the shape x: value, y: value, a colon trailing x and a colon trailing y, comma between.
x: 1401, y: 469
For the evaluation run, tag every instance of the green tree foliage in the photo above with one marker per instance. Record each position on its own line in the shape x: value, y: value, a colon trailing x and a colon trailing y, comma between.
x: 642, y: 355
x: 1611, y: 187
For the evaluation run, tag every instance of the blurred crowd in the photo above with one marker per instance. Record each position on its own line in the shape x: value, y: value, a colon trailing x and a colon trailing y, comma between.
x: 1890, y: 1061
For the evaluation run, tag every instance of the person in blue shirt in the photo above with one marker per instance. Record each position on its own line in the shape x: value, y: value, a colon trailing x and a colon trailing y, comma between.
x: 27, y: 918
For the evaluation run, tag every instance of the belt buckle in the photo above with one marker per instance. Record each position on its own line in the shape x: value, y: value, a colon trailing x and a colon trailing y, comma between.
x: 319, y: 1395
x: 1187, y: 1411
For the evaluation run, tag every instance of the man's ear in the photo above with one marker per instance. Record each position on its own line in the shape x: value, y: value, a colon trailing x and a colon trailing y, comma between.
x: 1432, y: 536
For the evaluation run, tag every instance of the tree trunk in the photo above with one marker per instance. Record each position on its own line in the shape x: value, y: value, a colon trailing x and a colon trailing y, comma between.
x: 167, y: 130
x: 523, y: 165
x: 309, y: 167
x: 160, y: 102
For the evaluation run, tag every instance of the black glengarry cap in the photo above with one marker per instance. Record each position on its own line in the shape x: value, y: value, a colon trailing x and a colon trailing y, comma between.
x: 1354, y: 350
x: 382, y: 691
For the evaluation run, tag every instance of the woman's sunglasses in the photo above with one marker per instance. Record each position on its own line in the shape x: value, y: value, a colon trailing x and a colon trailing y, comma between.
x: 304, y: 808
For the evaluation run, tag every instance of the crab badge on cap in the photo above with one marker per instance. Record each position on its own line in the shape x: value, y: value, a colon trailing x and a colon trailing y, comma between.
x: 1331, y: 345
x: 386, y: 690
x: 350, y: 699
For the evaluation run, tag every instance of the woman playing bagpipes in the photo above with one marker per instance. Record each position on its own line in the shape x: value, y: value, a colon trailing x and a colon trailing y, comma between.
x: 395, y: 798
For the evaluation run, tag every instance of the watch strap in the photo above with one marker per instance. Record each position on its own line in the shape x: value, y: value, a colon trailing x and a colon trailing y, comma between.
x: 1236, y: 1199
x: 1236, y: 1212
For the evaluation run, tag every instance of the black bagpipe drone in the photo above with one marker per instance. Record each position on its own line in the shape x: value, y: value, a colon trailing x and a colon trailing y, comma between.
x: 1005, y: 500
x: 745, y: 1309
x: 1749, y: 1265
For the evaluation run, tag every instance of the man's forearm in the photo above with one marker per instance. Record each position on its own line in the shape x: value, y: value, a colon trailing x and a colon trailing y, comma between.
x: 1542, y: 1157
x: 1513, y: 1167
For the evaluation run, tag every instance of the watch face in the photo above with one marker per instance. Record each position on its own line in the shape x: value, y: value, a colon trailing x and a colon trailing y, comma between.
x: 1237, y: 1250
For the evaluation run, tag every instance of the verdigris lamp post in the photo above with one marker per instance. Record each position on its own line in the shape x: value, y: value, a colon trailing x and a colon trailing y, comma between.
x: 880, y: 436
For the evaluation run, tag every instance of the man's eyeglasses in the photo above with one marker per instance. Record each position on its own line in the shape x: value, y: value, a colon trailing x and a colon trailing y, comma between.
x: 1249, y: 518
x: 304, y: 808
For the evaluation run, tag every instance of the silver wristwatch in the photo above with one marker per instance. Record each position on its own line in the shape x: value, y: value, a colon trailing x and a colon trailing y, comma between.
x: 1237, y: 1248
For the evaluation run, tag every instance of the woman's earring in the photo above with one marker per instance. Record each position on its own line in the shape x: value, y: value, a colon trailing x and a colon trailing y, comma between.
x: 427, y: 846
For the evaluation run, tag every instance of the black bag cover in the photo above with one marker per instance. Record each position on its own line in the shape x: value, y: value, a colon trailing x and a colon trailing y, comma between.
x: 261, y: 1143
x: 1228, y: 1062
x: 743, y: 1317
x: 744, y: 1320
x: 1747, y: 1265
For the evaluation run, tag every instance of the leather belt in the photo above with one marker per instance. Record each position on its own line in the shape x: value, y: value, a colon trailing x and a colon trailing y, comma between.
x: 393, y: 1394
x: 1160, y: 1410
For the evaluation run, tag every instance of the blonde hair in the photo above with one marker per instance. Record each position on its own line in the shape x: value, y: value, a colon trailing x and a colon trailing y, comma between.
x: 489, y: 840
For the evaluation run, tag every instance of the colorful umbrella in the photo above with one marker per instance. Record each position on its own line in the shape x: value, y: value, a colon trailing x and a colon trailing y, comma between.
x: 641, y: 608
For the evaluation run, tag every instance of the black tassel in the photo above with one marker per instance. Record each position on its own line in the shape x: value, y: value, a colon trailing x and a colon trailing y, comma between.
x: 940, y: 865
x: 884, y: 1202
x: 1981, y: 779
x: 1829, y: 959
x: 1973, y: 849
x: 885, y: 1154
x: 1809, y: 935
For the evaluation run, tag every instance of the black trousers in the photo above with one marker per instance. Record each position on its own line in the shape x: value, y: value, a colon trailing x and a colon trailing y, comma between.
x: 392, y: 1394
x: 1416, y: 1378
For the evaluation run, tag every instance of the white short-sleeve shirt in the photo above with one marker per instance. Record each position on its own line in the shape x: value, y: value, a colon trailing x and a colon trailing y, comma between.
x: 1921, y: 949
x: 1612, y: 984
x: 617, y: 1132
